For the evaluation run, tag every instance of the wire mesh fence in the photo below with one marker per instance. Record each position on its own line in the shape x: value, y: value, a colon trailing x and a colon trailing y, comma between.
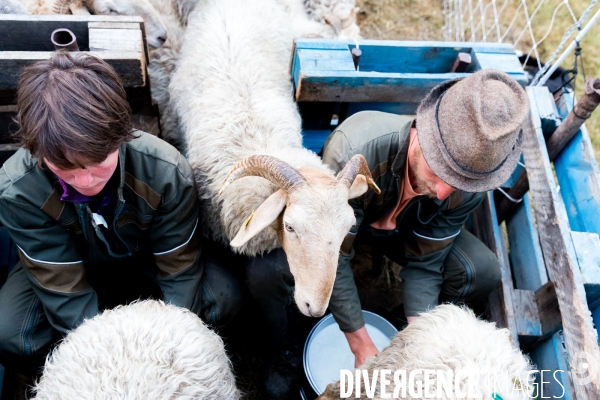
x: 532, y: 26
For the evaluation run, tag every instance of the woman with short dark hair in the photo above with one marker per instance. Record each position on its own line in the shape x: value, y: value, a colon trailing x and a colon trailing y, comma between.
x: 102, y: 215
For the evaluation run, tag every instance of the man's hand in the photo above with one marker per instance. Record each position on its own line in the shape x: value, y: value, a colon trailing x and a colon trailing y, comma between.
x: 361, y: 345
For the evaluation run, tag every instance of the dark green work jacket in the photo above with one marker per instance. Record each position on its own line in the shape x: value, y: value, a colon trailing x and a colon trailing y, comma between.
x: 156, y: 213
x: 427, y: 226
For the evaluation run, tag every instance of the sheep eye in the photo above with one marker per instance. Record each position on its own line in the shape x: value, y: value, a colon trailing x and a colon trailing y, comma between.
x: 288, y: 227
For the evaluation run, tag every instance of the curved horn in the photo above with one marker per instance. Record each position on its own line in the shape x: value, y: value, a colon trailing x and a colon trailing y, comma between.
x: 357, y: 165
x: 278, y: 172
x: 335, y: 23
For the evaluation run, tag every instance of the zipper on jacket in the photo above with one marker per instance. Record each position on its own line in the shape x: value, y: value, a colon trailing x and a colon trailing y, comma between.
x: 120, y: 205
x: 29, y: 329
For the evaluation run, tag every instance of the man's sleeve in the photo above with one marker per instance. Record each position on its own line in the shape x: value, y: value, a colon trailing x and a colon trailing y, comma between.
x: 54, y: 266
x: 176, y: 239
x: 425, y: 252
x: 344, y: 303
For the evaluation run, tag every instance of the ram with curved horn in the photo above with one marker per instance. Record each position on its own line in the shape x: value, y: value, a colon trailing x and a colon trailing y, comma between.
x: 311, y: 217
x: 236, y: 110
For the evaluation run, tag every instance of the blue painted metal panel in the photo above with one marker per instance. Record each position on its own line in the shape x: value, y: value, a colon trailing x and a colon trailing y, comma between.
x: 551, y: 355
x: 527, y: 261
x: 579, y: 179
x: 314, y: 139
x: 481, y: 47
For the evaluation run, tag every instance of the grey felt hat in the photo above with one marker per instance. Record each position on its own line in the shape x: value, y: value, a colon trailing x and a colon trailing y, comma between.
x: 470, y: 129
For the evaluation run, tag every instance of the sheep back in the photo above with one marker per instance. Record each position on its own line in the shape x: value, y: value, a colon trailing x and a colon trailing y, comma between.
x: 233, y: 97
x: 147, y: 350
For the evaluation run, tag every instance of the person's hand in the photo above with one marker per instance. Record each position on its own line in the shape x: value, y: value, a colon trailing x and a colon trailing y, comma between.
x: 411, y: 319
x: 361, y: 345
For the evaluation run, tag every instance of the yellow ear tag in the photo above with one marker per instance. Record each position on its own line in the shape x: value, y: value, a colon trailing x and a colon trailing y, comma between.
x: 247, y: 221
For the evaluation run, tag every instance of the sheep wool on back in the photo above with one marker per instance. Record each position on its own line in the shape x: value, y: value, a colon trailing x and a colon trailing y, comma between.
x: 232, y: 93
x: 12, y: 7
x: 146, y: 350
x: 451, y: 339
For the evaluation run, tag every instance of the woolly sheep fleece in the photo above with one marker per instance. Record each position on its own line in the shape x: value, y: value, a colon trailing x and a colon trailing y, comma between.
x: 451, y: 338
x: 12, y: 7
x: 147, y: 350
x: 233, y: 97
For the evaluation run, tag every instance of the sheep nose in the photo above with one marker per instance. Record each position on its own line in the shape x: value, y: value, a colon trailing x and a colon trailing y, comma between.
x: 162, y: 39
x: 308, y: 309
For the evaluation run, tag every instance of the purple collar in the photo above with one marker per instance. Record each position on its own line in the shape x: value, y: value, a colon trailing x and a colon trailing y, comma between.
x: 72, y: 195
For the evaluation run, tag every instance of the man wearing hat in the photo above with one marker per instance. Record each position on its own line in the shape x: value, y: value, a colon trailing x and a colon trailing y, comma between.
x: 432, y: 172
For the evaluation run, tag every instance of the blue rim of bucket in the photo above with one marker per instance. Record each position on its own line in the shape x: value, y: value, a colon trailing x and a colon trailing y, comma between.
x: 368, y: 315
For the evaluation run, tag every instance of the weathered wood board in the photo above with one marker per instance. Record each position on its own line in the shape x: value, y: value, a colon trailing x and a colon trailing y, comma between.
x: 389, y: 71
x: 120, y: 41
x: 561, y: 260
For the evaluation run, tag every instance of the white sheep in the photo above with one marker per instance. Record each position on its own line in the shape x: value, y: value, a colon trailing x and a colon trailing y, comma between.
x: 232, y: 93
x: 147, y: 350
x: 303, y: 25
x: 12, y: 7
x: 164, y: 60
x: 340, y: 14
x: 451, y: 339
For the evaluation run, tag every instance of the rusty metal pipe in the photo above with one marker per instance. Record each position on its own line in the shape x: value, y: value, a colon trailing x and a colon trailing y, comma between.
x: 64, y: 39
x: 558, y: 140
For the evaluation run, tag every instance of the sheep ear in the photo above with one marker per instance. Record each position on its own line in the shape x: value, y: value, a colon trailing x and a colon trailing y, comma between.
x: 264, y: 216
x: 359, y: 187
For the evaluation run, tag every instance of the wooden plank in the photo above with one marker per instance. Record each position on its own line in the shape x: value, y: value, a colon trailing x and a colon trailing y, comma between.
x: 114, y: 25
x: 32, y: 32
x: 485, y: 47
x: 322, y: 60
x: 422, y: 59
x: 587, y: 249
x: 525, y: 254
x: 352, y: 86
x: 127, y: 40
x: 130, y: 66
x: 578, y: 175
x: 462, y: 62
x: 548, y: 310
x: 508, y: 63
x: 561, y: 261
x: 402, y: 59
x: 485, y: 227
x: 526, y: 314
